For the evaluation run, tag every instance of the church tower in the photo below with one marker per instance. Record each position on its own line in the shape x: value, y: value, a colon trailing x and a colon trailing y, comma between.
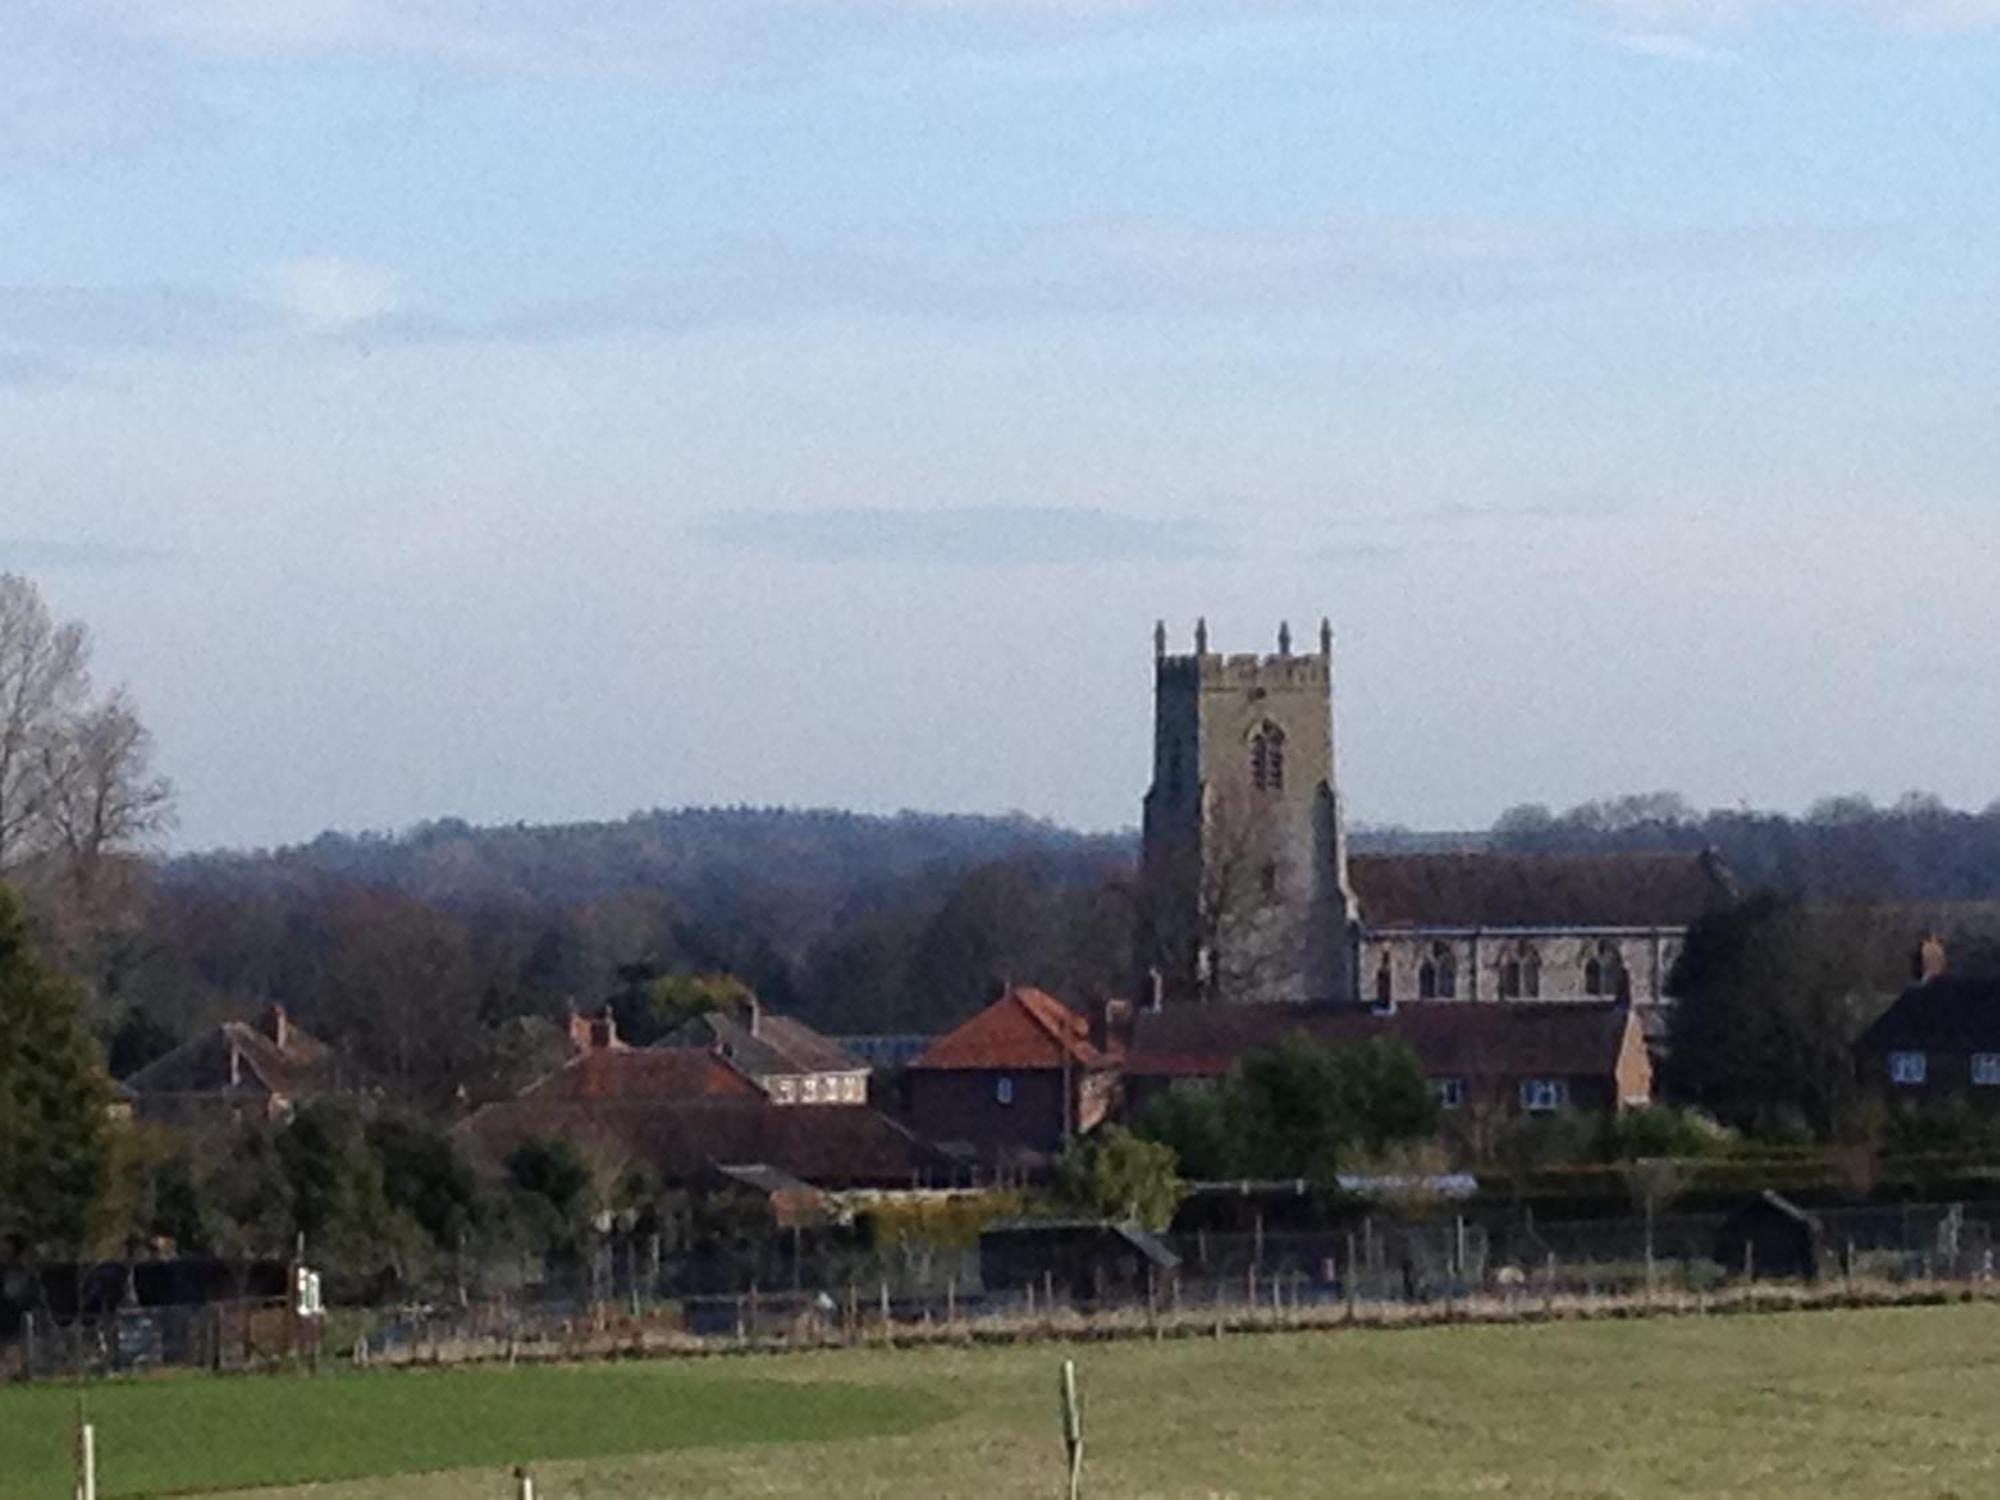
x: 1244, y: 863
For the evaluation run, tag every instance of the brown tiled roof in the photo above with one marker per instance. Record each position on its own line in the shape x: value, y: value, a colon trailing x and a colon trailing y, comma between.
x: 1538, y: 890
x: 1456, y: 1039
x: 638, y: 1073
x: 683, y: 1140
x: 202, y: 1065
x: 779, y: 1045
x: 1024, y: 1029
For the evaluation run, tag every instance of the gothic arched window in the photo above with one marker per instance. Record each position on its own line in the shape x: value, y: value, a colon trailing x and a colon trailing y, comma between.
x: 1385, y: 983
x: 1437, y: 975
x: 1604, y: 972
x: 1267, y: 758
x: 1521, y: 974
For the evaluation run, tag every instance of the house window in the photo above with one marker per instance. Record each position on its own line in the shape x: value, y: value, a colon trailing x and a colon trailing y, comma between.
x: 812, y: 1091
x: 1451, y: 1093
x: 783, y: 1090
x: 1907, y: 1067
x: 1540, y: 1095
x: 1986, y: 1068
x: 1003, y: 1091
x: 1267, y: 758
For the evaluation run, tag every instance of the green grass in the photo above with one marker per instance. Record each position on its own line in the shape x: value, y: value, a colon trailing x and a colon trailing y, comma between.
x: 198, y: 1434
x: 1874, y: 1405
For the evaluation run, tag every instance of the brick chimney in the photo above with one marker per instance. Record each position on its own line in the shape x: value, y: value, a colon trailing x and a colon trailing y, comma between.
x: 755, y: 1014
x: 278, y: 1026
x: 596, y: 1032
x: 1930, y: 960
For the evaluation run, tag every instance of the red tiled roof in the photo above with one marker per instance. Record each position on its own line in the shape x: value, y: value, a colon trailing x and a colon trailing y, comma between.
x: 1465, y: 1039
x: 683, y: 1140
x: 649, y: 1073
x: 1538, y: 890
x: 1025, y: 1028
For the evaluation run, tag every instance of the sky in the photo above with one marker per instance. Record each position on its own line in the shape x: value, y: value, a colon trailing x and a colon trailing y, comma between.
x: 512, y: 411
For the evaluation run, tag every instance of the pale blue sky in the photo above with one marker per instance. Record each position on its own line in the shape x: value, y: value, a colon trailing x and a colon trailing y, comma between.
x: 524, y: 411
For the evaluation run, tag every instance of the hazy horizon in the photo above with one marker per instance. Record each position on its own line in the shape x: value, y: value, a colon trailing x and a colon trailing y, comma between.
x: 459, y: 411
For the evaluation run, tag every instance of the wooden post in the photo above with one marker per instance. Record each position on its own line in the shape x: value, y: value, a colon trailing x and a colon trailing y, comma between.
x: 1049, y: 1289
x: 888, y: 1328
x: 1072, y: 1420
x: 951, y: 1301
x: 853, y: 1312
x: 1850, y: 1263
x: 1350, y: 1282
x: 28, y: 1333
x: 1549, y: 1287
x: 86, y: 1462
x: 1749, y: 1260
x: 525, y: 1484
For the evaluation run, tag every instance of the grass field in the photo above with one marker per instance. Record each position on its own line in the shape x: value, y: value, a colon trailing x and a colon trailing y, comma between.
x: 1863, y: 1404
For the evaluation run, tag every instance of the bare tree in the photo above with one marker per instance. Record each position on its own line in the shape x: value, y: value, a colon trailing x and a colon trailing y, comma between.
x: 44, y: 684
x: 76, y: 783
x: 1251, y: 934
x: 100, y: 791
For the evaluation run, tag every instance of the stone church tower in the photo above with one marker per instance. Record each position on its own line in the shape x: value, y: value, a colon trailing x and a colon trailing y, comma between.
x: 1244, y: 885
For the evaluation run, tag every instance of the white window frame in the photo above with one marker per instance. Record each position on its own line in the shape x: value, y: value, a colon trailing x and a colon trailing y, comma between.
x: 1003, y: 1089
x: 1541, y: 1096
x: 1451, y: 1093
x: 783, y: 1090
x: 1986, y: 1069
x: 1908, y: 1068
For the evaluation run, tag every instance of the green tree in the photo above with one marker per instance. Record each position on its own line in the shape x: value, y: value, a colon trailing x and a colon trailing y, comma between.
x: 1300, y: 1108
x: 54, y: 1097
x: 1771, y: 997
x: 1114, y: 1174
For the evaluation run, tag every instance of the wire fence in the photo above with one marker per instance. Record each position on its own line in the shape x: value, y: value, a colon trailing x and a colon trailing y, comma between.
x: 1382, y: 1269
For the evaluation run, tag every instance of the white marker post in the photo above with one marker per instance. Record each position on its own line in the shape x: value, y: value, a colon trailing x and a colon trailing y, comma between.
x: 1072, y: 1415
x: 86, y: 1462
x: 526, y: 1484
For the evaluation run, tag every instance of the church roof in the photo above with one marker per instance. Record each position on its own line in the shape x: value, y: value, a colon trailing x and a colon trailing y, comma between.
x: 1518, y: 1039
x: 1539, y: 890
x: 1025, y: 1028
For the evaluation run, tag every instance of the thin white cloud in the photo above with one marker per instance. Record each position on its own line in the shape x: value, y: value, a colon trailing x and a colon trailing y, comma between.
x: 328, y: 293
x: 1671, y: 47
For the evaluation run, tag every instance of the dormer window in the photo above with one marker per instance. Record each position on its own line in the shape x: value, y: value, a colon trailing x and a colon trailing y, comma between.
x: 1267, y: 758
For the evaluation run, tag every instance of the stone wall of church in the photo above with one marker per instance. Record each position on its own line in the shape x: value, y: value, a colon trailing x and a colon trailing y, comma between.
x: 1496, y: 964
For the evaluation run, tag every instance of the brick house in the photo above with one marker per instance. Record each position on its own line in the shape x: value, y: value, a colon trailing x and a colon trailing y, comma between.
x: 1939, y: 1041
x: 1489, y: 1063
x: 1013, y: 1083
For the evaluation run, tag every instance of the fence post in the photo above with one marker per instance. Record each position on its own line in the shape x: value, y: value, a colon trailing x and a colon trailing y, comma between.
x: 888, y: 1329
x: 1348, y: 1282
x: 1549, y: 1287
x: 1072, y: 1420
x: 951, y: 1301
x: 28, y: 1332
x: 853, y: 1312
x: 1749, y: 1261
x: 525, y: 1484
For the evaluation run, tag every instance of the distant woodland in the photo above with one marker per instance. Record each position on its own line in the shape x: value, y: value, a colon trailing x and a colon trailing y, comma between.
x: 444, y: 955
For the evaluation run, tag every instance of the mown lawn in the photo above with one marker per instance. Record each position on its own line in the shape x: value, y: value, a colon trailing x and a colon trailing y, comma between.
x: 197, y: 1434
x: 1862, y: 1404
